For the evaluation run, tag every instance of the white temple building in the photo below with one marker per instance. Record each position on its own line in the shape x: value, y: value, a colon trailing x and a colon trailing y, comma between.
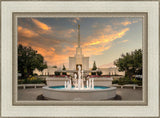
x: 79, y: 58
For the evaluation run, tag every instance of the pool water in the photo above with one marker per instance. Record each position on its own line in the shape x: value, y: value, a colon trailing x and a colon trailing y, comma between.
x: 62, y: 87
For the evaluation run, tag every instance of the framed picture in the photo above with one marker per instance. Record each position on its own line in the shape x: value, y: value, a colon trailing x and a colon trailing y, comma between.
x: 80, y: 59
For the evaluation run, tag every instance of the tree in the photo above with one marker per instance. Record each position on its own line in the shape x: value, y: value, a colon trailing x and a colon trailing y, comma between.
x: 64, y: 68
x: 54, y: 66
x: 28, y: 60
x: 131, y: 63
x: 94, y: 68
x: 57, y: 73
x: 99, y: 73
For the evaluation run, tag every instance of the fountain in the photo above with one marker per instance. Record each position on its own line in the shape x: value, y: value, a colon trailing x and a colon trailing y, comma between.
x: 79, y: 89
x: 79, y: 84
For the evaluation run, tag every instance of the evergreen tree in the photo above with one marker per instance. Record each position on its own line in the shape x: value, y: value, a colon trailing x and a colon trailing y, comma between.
x: 64, y: 68
x: 99, y: 73
x: 94, y: 68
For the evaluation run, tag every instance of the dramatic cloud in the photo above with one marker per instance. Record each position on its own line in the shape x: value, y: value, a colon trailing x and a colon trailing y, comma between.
x: 89, y: 51
x: 58, y: 41
x: 124, y: 41
x: 135, y: 21
x: 41, y: 25
x: 107, y: 36
x: 26, y: 32
x: 126, y: 23
x: 51, y: 56
x: 75, y: 20
x: 68, y: 33
x: 95, y: 45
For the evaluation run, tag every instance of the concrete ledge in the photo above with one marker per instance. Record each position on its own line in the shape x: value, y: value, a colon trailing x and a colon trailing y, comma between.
x: 31, y: 85
x: 98, y: 81
x: 134, y: 86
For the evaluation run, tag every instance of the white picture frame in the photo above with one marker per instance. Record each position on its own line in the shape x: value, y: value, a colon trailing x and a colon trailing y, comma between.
x: 10, y: 7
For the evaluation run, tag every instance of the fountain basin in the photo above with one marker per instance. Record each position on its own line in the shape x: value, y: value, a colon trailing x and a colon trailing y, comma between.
x: 74, y: 94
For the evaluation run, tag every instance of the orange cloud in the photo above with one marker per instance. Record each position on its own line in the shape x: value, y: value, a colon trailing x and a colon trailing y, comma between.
x: 95, y: 44
x: 125, y: 23
x: 50, y: 56
x: 105, y: 38
x: 41, y: 25
x: 124, y: 41
x: 135, y: 21
x: 68, y: 33
x: 24, y: 43
x: 76, y: 20
x: 89, y: 51
x: 64, y: 33
x: 95, y: 47
x: 26, y: 32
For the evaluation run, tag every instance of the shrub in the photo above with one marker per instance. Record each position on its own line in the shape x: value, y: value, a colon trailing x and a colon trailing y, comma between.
x: 126, y: 80
x: 139, y: 82
x: 20, y: 81
x: 121, y: 81
x: 32, y: 80
x: 115, y: 82
x: 57, y: 73
x: 93, y: 73
x: 99, y: 73
x: 35, y: 74
x: 64, y: 73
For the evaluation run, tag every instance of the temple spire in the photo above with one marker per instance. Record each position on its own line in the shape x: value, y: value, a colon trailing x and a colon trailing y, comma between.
x: 78, y: 35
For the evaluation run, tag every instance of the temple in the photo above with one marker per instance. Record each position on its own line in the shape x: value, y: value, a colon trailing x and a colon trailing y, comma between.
x: 79, y: 58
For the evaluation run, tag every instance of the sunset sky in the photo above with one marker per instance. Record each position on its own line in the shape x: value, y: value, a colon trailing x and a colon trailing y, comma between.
x: 102, y: 39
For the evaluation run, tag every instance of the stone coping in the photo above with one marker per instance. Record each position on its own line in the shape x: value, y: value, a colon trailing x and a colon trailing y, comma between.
x: 80, y: 90
x: 31, y: 84
x: 126, y: 85
x: 65, y: 79
x: 103, y: 78
x: 56, y: 78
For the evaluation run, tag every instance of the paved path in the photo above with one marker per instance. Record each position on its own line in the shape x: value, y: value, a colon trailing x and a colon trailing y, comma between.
x: 126, y: 94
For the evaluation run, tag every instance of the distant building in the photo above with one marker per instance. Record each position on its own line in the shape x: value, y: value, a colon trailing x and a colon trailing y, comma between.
x: 111, y: 71
x: 79, y: 58
x: 48, y: 71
